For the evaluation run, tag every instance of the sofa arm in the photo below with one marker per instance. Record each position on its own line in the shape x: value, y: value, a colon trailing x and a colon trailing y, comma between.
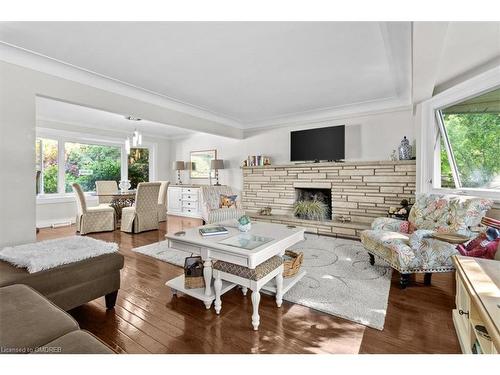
x: 390, y: 224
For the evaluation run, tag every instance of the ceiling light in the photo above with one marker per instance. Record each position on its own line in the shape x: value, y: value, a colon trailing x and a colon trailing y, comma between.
x: 132, y: 118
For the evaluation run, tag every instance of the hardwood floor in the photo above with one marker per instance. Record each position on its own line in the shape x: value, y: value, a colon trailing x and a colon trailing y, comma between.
x: 148, y: 319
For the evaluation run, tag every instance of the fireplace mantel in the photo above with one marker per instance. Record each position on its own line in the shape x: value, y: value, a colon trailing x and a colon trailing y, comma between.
x: 361, y: 191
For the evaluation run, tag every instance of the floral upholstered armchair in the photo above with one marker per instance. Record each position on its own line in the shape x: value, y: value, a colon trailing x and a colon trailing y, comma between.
x: 408, y: 246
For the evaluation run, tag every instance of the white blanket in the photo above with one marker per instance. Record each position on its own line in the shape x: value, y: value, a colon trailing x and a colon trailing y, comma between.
x: 44, y: 255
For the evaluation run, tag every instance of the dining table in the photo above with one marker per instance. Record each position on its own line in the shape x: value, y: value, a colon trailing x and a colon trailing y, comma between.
x: 119, y: 200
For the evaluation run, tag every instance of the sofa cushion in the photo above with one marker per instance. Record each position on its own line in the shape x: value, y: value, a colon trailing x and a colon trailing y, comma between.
x: 29, y: 320
x: 247, y: 273
x: 76, y: 342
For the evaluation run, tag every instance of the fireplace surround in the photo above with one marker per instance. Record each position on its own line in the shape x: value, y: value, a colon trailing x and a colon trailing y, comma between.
x: 360, y: 192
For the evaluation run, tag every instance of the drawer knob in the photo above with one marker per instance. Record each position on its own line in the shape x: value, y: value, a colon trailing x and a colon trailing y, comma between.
x: 461, y: 312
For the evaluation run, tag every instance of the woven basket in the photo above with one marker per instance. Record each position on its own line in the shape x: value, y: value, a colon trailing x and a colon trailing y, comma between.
x: 194, y: 282
x: 292, y: 266
x: 193, y: 273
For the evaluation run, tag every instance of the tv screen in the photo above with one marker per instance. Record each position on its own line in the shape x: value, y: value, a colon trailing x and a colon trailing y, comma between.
x: 318, y: 144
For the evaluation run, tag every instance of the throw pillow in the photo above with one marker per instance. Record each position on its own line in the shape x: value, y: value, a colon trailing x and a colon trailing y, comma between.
x: 227, y: 201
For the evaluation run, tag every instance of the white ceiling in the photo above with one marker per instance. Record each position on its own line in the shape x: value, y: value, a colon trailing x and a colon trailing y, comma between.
x: 77, y: 118
x: 468, y: 45
x: 250, y: 72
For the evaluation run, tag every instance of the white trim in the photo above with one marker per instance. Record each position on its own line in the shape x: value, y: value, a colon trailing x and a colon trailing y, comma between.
x: 36, y: 61
x: 42, y: 199
x: 49, y: 223
x: 428, y: 154
x: 32, y: 60
x: 339, y: 113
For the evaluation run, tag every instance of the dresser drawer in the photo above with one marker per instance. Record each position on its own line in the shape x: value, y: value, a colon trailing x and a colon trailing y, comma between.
x: 193, y: 197
x: 188, y: 210
x: 190, y: 204
x: 190, y: 191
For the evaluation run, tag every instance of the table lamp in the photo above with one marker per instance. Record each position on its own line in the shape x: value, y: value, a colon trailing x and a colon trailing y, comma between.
x: 216, y: 164
x: 178, y: 166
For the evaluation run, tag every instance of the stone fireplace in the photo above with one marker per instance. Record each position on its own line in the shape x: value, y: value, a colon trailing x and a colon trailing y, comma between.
x: 357, y: 192
x: 311, y: 194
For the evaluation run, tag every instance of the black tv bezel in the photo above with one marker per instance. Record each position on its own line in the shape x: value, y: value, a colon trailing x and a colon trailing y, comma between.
x: 316, y: 160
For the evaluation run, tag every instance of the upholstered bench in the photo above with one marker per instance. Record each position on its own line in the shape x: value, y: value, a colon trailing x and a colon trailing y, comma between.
x: 253, y: 278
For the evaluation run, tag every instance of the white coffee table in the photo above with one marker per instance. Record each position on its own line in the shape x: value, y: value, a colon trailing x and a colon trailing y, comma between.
x: 210, y: 248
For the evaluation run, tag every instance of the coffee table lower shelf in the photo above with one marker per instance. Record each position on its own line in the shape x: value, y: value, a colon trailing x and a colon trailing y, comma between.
x: 177, y: 285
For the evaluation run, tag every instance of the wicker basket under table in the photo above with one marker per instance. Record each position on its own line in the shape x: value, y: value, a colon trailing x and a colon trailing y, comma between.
x: 293, y: 261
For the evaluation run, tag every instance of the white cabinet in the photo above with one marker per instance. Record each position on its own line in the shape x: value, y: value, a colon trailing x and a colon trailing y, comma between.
x: 184, y: 201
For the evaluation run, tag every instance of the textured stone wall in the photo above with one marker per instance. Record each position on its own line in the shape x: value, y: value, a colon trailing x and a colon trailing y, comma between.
x: 360, y: 190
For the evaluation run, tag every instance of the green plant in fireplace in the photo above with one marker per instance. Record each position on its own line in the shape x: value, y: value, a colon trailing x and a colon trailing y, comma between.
x: 310, y: 209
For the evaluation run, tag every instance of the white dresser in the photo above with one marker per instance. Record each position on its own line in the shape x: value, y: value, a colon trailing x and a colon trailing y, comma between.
x: 184, y: 200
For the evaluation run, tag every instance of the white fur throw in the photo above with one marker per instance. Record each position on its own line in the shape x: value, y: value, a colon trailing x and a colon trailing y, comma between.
x: 44, y: 255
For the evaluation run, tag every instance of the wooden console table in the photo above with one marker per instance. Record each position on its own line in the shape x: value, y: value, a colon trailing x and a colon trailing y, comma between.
x: 477, y: 304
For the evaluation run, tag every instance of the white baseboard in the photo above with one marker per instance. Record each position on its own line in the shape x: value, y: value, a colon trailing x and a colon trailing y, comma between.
x: 49, y: 223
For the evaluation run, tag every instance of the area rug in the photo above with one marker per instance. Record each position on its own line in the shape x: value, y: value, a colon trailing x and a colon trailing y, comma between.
x: 340, y: 280
x: 44, y: 255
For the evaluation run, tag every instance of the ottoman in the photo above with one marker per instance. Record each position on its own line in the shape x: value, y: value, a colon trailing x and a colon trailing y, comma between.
x: 74, y: 284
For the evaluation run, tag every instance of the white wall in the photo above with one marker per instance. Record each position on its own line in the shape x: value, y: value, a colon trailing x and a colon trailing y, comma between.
x: 18, y: 89
x: 368, y: 137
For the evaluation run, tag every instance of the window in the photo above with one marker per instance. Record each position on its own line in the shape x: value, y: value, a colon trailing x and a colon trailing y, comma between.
x: 138, y: 166
x: 86, y: 163
x: 469, y: 147
x: 63, y: 158
x: 47, y: 165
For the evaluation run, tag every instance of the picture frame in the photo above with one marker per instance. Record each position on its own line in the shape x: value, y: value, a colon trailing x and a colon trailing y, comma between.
x: 202, y: 160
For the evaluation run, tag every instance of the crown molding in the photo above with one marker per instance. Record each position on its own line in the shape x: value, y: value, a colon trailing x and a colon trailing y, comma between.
x: 45, y: 123
x: 35, y: 61
x: 336, y: 113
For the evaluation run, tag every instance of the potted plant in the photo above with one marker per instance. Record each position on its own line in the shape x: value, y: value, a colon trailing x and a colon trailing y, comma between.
x: 310, y: 209
x: 244, y: 224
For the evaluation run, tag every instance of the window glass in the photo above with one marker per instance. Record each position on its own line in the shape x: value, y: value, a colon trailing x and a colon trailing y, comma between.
x: 46, y: 163
x: 138, y: 166
x: 473, y: 131
x: 86, y: 163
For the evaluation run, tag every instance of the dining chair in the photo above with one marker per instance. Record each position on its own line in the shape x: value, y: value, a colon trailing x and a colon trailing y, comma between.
x: 105, y: 187
x: 162, y: 201
x: 92, y: 219
x: 144, y: 215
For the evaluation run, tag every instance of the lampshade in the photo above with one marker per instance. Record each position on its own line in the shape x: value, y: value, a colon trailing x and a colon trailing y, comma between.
x: 217, y: 164
x: 178, y: 166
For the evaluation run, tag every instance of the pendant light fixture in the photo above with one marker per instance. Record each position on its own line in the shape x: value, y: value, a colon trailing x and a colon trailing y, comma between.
x: 136, y: 136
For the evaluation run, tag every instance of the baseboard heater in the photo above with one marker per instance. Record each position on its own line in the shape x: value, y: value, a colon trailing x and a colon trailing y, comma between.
x: 63, y: 224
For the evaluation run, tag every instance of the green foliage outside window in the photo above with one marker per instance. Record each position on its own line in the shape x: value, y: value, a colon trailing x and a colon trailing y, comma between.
x: 138, y: 166
x: 474, y: 138
x: 86, y: 164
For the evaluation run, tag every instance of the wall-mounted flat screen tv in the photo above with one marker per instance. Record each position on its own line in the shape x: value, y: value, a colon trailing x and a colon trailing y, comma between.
x: 318, y: 144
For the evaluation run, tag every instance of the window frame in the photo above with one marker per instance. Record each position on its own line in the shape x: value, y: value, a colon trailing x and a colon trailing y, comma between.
x: 429, y: 161
x: 62, y: 136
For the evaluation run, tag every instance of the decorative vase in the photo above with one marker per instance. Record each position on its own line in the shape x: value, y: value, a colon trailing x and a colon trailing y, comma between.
x: 404, y: 149
x: 245, y: 227
x: 124, y: 185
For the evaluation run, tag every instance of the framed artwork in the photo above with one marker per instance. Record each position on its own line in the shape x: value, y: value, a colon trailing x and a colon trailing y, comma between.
x: 201, y: 162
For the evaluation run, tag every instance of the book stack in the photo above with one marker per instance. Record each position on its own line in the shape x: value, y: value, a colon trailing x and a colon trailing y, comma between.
x: 257, y: 161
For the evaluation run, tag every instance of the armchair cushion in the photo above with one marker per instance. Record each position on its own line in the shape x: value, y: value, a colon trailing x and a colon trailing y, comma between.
x: 448, y: 213
x: 390, y: 224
